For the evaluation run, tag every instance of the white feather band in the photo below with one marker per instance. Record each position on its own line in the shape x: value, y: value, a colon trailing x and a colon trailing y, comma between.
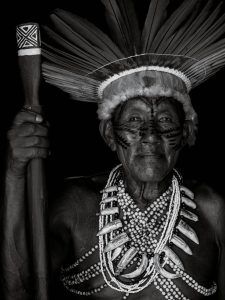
x: 177, y: 73
x: 106, y: 107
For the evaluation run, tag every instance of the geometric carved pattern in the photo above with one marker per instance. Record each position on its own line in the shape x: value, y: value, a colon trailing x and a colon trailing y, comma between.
x: 28, y: 36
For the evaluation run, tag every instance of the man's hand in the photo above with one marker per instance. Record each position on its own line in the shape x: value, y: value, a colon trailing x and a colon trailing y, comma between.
x: 28, y: 139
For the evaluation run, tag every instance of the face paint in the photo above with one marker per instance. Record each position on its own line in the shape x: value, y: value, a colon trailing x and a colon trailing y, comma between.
x: 121, y: 140
x: 148, y: 135
x: 173, y: 137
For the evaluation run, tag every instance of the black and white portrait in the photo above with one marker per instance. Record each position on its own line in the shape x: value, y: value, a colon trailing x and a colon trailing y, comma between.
x: 112, y: 151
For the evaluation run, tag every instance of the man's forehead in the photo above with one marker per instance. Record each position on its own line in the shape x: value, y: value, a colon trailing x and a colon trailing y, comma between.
x: 150, y: 103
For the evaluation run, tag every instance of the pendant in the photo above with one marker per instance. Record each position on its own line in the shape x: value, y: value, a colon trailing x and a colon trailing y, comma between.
x: 190, y: 203
x: 140, y: 270
x: 173, y: 257
x: 110, y: 211
x: 180, y: 243
x: 189, y: 215
x: 189, y: 232
x: 125, y: 260
x: 109, y: 227
x: 117, y: 241
x: 161, y: 270
x: 116, y: 252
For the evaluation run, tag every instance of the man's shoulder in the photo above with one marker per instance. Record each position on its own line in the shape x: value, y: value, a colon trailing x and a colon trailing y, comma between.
x: 209, y: 199
x: 211, y: 206
x: 84, y: 185
x: 76, y: 195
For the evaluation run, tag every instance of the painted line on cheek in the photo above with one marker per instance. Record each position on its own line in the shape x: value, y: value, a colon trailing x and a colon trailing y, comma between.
x: 125, y: 128
x: 121, y: 141
x: 172, y: 134
x: 170, y: 130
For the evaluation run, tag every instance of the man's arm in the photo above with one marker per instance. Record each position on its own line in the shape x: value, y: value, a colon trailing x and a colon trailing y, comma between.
x: 213, y: 208
x: 14, y: 251
x: 220, y: 227
x: 27, y: 140
x: 221, y: 273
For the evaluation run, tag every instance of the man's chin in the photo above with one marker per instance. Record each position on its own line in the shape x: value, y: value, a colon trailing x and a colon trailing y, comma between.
x: 149, y: 173
x: 149, y: 159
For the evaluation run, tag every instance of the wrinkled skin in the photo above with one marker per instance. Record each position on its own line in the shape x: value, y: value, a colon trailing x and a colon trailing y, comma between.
x: 147, y: 136
x: 28, y: 138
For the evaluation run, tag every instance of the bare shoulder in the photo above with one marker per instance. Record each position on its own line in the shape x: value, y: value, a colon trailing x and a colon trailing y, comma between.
x: 76, y: 196
x: 73, y: 215
x: 211, y: 206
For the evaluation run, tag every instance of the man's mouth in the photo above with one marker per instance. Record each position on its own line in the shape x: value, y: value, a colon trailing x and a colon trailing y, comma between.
x: 149, y: 154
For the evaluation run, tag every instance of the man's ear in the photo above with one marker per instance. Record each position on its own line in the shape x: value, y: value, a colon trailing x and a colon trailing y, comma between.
x: 189, y: 133
x: 185, y: 135
x: 106, y: 131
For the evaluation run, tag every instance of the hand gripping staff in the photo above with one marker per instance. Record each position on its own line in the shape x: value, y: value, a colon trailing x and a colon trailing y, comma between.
x: 29, y: 59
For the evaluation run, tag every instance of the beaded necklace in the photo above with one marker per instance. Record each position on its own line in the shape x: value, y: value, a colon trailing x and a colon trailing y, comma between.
x: 143, y: 227
x: 106, y: 236
x: 126, y: 241
x: 140, y: 240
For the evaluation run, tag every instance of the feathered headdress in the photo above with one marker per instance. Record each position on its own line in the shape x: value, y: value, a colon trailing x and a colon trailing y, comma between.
x: 171, y: 55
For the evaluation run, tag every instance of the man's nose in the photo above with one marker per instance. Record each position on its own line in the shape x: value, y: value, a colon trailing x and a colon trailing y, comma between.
x: 149, y: 133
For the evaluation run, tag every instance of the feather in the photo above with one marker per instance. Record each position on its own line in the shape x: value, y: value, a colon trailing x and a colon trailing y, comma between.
x: 211, y: 49
x: 72, y: 48
x: 209, y: 62
x: 209, y: 37
x: 64, y: 30
x: 155, y: 18
x: 79, y: 87
x: 79, y: 63
x: 90, y: 32
x: 176, y: 38
x: 194, y: 26
x: 196, y: 36
x: 181, y: 35
x: 122, y: 20
x: 80, y: 56
x: 64, y: 63
x: 172, y: 23
x: 129, y: 13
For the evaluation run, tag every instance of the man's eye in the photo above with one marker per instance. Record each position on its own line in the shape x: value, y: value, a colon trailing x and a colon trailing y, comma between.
x: 165, y: 120
x: 134, y: 119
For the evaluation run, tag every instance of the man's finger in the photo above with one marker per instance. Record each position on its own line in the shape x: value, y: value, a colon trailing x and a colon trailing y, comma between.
x: 32, y: 130
x: 32, y: 141
x: 23, y: 155
x: 28, y: 129
x: 27, y: 116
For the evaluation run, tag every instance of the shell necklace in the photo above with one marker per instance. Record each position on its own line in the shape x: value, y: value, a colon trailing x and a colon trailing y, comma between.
x: 112, y: 241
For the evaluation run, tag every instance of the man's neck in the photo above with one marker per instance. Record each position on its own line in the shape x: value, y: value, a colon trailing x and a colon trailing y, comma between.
x: 144, y: 193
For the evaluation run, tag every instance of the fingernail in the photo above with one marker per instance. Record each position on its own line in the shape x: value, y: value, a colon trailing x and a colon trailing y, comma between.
x: 38, y: 118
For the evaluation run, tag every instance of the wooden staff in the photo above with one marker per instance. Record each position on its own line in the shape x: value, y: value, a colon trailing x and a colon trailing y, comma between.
x: 29, y: 58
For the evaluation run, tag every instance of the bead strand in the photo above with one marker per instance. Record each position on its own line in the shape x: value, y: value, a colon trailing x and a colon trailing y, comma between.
x: 85, y: 275
x: 105, y: 258
x: 142, y: 227
x: 192, y: 283
x: 80, y: 260
x: 168, y: 289
x: 87, y: 293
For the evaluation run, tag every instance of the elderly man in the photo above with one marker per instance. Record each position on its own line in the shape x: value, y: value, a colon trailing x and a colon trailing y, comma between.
x: 148, y: 134
x: 146, y: 235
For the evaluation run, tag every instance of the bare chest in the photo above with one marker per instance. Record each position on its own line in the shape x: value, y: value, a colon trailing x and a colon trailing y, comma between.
x: 87, y: 280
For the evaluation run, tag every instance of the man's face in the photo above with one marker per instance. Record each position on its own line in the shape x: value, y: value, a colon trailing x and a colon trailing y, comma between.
x: 148, y: 136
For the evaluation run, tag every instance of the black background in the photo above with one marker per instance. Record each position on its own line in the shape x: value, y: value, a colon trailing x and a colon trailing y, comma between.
x: 77, y: 148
